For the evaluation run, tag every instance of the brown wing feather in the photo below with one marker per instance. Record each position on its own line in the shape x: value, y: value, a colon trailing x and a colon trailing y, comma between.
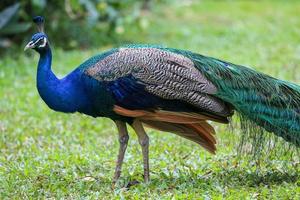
x: 185, y: 131
x: 191, y: 126
x: 205, y: 133
x: 167, y: 116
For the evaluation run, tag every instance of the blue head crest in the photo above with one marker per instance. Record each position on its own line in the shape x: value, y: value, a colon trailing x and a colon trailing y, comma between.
x: 37, y: 36
x: 39, y: 21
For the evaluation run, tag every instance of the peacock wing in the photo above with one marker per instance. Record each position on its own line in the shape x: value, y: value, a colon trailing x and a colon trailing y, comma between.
x: 140, y: 75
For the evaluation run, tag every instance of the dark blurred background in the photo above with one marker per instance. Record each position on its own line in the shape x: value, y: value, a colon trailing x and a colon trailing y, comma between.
x: 264, y: 34
x: 68, y: 22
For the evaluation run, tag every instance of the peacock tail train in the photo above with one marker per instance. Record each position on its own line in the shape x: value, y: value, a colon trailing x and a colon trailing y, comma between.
x: 267, y: 102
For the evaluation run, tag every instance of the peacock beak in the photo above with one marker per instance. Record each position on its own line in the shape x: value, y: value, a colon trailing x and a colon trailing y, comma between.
x: 30, y: 45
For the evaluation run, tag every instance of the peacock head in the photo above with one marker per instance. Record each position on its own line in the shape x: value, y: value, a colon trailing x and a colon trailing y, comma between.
x: 39, y: 41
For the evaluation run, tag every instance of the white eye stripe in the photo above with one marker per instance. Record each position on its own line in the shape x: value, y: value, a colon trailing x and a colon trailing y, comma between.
x: 44, y: 43
x: 34, y: 43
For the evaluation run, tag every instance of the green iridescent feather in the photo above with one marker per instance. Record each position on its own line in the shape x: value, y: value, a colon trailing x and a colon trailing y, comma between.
x: 265, y: 101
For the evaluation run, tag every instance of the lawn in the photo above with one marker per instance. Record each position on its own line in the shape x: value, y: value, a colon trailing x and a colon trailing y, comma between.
x: 44, y: 154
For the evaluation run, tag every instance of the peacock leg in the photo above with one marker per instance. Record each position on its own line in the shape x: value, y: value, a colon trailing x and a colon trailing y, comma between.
x: 144, y: 142
x: 123, y: 140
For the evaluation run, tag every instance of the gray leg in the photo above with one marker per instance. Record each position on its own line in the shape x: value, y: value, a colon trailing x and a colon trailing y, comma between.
x: 144, y: 142
x: 123, y: 140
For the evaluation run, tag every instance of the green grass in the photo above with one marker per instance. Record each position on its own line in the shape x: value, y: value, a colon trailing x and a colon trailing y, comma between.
x: 44, y: 154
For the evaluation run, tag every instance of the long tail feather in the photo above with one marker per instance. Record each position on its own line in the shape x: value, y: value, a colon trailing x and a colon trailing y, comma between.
x: 268, y: 102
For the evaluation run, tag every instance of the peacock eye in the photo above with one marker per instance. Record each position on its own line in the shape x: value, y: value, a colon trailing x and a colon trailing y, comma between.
x: 41, y: 42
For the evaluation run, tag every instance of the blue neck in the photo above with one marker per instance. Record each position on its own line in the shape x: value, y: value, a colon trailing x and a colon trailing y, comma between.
x: 58, y: 94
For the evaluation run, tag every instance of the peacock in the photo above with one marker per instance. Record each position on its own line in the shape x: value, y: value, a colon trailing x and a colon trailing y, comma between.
x: 167, y: 89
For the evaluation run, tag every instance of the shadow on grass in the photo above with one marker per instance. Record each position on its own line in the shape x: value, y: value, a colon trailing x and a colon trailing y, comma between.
x: 212, y: 180
x: 231, y: 178
x: 252, y: 179
x: 186, y: 180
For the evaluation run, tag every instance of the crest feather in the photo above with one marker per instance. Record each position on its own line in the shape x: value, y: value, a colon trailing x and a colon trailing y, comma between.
x: 39, y: 21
